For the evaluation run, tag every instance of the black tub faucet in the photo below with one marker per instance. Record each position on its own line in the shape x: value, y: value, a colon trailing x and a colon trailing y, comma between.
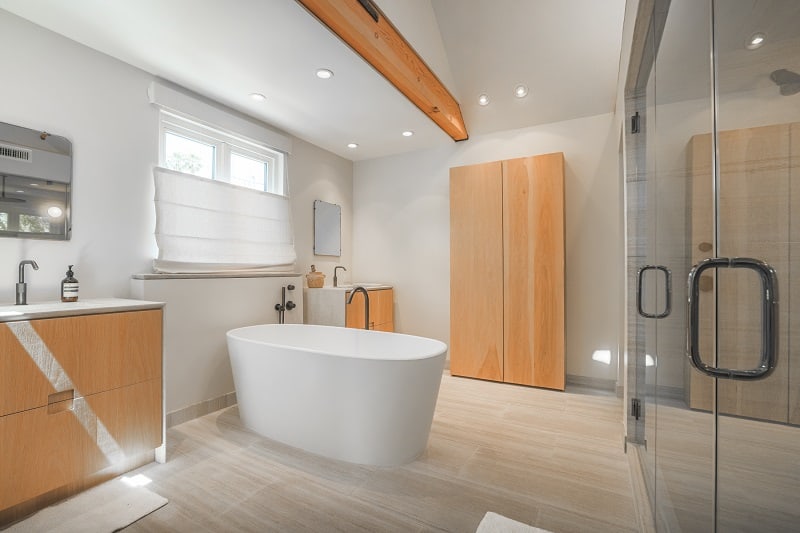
x: 22, y: 287
x: 366, y: 303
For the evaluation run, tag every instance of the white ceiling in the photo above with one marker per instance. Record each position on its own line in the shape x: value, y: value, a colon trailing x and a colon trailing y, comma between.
x: 566, y: 51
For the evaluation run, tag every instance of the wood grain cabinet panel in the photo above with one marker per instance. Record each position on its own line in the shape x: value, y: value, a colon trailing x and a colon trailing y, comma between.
x: 39, y: 452
x: 476, y: 271
x: 533, y: 263
x: 93, y: 352
x: 755, y: 206
x: 108, y: 420
x: 381, y: 310
x: 507, y: 271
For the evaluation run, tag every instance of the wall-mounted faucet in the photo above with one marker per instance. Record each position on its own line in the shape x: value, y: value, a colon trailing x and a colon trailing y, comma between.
x: 335, y: 278
x: 366, y: 304
x: 284, y: 306
x: 22, y: 287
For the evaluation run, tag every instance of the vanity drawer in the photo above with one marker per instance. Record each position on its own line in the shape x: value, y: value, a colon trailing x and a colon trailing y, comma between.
x: 89, y: 354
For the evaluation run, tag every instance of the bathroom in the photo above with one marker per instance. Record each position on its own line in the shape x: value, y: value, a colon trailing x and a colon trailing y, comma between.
x: 395, y: 225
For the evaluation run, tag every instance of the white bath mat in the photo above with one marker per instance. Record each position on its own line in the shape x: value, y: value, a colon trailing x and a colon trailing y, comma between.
x: 102, y: 509
x: 495, y: 523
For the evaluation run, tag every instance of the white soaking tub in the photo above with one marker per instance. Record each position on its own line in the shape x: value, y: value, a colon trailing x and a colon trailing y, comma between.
x: 361, y: 396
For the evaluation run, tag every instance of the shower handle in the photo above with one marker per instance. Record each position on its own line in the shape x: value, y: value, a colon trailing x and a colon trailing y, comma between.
x: 667, y: 288
x: 769, y: 315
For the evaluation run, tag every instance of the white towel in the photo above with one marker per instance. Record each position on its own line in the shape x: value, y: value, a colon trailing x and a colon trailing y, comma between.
x: 495, y: 523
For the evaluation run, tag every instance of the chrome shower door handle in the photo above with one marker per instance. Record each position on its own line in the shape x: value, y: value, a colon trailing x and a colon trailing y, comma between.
x: 667, y: 288
x: 769, y: 316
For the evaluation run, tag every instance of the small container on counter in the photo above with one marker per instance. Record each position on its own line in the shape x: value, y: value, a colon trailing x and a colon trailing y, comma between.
x: 69, y: 287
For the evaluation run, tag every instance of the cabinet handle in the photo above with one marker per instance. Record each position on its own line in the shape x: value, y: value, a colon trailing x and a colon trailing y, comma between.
x: 59, y: 402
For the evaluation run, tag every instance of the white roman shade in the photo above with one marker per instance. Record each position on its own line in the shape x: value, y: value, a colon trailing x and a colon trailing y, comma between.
x: 212, y: 226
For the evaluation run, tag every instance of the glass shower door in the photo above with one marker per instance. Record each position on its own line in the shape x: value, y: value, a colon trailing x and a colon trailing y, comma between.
x: 723, y: 201
x: 756, y: 47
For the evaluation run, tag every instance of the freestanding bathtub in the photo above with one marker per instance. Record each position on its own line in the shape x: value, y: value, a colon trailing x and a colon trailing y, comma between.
x: 360, y: 396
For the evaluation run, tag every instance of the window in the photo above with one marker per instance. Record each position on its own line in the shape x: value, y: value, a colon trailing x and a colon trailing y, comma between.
x: 194, y: 148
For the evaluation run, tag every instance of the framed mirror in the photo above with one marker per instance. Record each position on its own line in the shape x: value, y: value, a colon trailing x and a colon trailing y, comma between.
x: 327, y: 228
x: 35, y: 184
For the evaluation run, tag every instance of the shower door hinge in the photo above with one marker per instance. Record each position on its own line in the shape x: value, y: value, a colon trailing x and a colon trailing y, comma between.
x: 636, y: 408
x: 635, y: 123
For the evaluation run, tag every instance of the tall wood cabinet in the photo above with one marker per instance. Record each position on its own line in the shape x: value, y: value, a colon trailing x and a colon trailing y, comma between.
x: 507, y: 271
x: 758, y: 204
x: 80, y: 402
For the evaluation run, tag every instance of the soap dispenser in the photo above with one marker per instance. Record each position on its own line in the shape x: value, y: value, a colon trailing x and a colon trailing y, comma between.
x: 69, y: 287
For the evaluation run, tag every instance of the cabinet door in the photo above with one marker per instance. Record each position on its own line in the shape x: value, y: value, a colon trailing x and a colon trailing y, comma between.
x: 476, y: 271
x: 128, y: 424
x: 533, y: 264
x: 381, y: 310
x: 90, y: 354
x: 39, y: 452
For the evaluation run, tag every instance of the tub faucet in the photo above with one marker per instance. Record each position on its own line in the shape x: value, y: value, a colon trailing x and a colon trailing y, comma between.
x: 22, y: 287
x: 366, y: 304
x: 335, y: 278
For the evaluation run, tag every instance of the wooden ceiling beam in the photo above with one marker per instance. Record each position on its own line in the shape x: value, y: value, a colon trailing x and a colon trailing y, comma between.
x: 364, y: 27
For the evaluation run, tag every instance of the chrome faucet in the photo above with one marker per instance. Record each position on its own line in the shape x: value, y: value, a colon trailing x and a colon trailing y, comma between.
x: 366, y: 304
x: 22, y: 287
x: 335, y: 271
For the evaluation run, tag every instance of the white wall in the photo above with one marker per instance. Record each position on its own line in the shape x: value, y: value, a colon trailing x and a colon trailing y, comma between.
x: 402, y: 227
x: 101, y: 105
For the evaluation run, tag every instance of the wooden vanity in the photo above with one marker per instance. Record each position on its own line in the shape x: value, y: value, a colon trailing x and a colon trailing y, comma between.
x: 81, y: 397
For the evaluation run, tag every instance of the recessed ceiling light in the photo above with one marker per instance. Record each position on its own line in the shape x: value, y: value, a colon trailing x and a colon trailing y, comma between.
x: 258, y: 97
x: 408, y: 133
x: 324, y: 73
x: 521, y: 91
x: 483, y: 99
x: 755, y: 41
x: 352, y: 145
x: 54, y: 211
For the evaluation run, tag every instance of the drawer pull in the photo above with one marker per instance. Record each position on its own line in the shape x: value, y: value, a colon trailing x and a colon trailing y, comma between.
x: 60, y: 401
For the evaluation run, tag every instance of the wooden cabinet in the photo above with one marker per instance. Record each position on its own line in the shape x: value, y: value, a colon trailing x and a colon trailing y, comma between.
x: 381, y: 310
x: 507, y: 271
x: 758, y: 200
x: 80, y: 402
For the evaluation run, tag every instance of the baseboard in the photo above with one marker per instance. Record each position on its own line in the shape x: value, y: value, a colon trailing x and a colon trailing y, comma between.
x: 179, y: 416
x: 592, y: 383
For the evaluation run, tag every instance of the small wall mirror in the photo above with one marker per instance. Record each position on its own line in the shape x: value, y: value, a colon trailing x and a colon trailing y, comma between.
x: 327, y: 228
x: 35, y: 184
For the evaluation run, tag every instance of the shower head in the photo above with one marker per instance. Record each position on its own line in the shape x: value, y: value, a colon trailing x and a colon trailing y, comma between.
x: 787, y: 81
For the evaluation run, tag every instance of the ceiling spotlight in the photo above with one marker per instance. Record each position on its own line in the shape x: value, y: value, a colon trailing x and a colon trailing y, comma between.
x: 324, y: 73
x: 483, y: 99
x: 755, y: 41
x: 258, y: 97
x: 352, y: 145
x: 54, y: 211
x: 521, y: 91
x: 408, y: 133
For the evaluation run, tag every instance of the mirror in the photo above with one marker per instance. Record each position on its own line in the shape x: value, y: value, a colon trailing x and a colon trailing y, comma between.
x: 35, y: 184
x: 327, y: 228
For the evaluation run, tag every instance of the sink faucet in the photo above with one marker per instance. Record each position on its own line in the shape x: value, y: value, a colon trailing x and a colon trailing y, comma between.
x: 22, y: 287
x: 366, y: 304
x: 335, y: 271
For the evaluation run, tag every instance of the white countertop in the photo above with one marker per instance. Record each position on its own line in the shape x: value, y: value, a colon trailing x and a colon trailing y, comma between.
x: 351, y: 286
x: 89, y: 306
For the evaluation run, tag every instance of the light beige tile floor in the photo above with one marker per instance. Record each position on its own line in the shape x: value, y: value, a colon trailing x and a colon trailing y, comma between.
x: 550, y: 459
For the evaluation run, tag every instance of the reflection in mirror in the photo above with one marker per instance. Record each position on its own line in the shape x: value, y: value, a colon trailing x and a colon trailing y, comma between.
x: 35, y: 182
x: 327, y: 228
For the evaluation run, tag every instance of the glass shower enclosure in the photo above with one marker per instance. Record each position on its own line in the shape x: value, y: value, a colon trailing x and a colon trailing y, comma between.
x: 712, y: 184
